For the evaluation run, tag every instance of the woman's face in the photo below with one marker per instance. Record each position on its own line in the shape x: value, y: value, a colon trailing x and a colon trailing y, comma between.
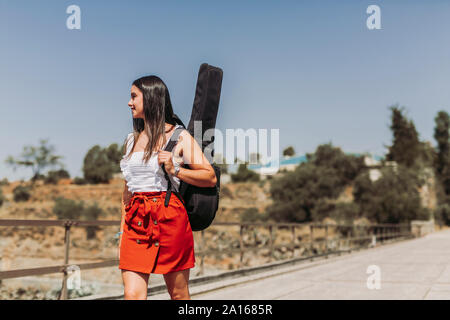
x: 136, y: 102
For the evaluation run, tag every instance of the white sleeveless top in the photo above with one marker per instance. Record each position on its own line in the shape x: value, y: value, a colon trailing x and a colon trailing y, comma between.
x: 145, y: 177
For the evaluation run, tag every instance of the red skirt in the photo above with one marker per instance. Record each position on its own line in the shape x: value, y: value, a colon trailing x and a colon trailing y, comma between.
x: 156, y: 239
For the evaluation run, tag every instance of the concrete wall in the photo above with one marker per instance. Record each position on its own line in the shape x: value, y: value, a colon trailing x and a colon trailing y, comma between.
x: 421, y: 228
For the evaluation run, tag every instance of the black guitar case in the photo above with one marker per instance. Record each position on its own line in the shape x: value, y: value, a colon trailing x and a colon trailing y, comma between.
x: 202, y: 203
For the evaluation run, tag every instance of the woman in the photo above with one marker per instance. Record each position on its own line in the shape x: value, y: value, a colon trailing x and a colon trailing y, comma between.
x: 155, y: 238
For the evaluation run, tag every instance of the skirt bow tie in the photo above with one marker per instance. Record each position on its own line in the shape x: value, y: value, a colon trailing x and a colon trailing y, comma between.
x: 150, y: 205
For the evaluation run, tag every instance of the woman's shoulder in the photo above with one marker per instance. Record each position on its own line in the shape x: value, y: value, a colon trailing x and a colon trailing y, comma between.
x: 130, y: 137
x: 184, y: 131
x: 129, y: 142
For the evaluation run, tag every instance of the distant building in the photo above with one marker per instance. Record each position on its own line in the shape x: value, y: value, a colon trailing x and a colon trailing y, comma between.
x: 270, y: 168
x: 374, y: 167
x: 289, y: 163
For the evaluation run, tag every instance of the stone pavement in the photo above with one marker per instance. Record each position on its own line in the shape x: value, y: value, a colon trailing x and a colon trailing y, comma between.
x: 411, y: 269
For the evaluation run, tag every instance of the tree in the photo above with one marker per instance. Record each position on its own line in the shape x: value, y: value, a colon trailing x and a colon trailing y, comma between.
x: 406, y: 147
x: 288, y: 152
x: 37, y: 158
x: 114, y: 154
x: 296, y: 194
x: 347, y: 166
x: 362, y: 192
x: 442, y: 214
x: 442, y: 136
x: 101, y: 163
x: 446, y: 181
x: 97, y: 166
x: 393, y: 198
x: 305, y: 194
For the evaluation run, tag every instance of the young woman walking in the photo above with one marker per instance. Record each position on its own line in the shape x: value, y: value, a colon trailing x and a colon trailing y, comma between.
x: 155, y: 238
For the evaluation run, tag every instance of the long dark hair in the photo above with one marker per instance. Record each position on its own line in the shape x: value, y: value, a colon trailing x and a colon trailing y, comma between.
x: 157, y: 111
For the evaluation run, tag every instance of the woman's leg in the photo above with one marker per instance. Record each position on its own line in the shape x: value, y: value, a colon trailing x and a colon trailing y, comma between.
x: 135, y: 285
x: 177, y: 284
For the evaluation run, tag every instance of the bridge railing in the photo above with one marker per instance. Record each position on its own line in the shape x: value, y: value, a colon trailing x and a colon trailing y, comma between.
x: 319, y: 240
x: 348, y: 237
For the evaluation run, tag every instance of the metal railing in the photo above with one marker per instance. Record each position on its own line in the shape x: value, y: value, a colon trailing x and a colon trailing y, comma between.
x: 356, y: 234
x: 353, y: 234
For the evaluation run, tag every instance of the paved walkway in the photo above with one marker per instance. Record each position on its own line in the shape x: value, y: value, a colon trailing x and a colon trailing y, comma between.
x: 412, y: 269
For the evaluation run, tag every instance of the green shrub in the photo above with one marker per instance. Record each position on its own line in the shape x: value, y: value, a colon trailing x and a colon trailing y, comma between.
x: 289, y: 151
x: 442, y: 214
x: 2, y: 197
x: 79, y: 181
x: 225, y: 192
x: 345, y: 212
x: 54, y: 176
x: 341, y: 212
x: 302, y: 195
x: 73, y: 210
x: 393, y: 198
x: 92, y: 213
x: 322, y: 209
x: 296, y: 194
x: 37, y: 177
x: 68, y: 209
x: 4, y: 182
x: 347, y: 167
x: 223, y: 167
x: 244, y: 174
x: 21, y: 193
x: 253, y: 215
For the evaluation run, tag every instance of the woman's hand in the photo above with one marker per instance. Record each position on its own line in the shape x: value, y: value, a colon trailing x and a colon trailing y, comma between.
x: 165, y: 157
x: 187, y: 151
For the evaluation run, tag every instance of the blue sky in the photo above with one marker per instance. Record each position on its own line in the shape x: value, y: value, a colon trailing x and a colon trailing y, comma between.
x: 311, y: 69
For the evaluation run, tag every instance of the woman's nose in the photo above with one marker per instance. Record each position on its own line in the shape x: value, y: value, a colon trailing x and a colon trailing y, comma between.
x: 130, y: 104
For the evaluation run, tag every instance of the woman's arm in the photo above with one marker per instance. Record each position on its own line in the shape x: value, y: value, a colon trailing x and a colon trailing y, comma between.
x: 201, y: 173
